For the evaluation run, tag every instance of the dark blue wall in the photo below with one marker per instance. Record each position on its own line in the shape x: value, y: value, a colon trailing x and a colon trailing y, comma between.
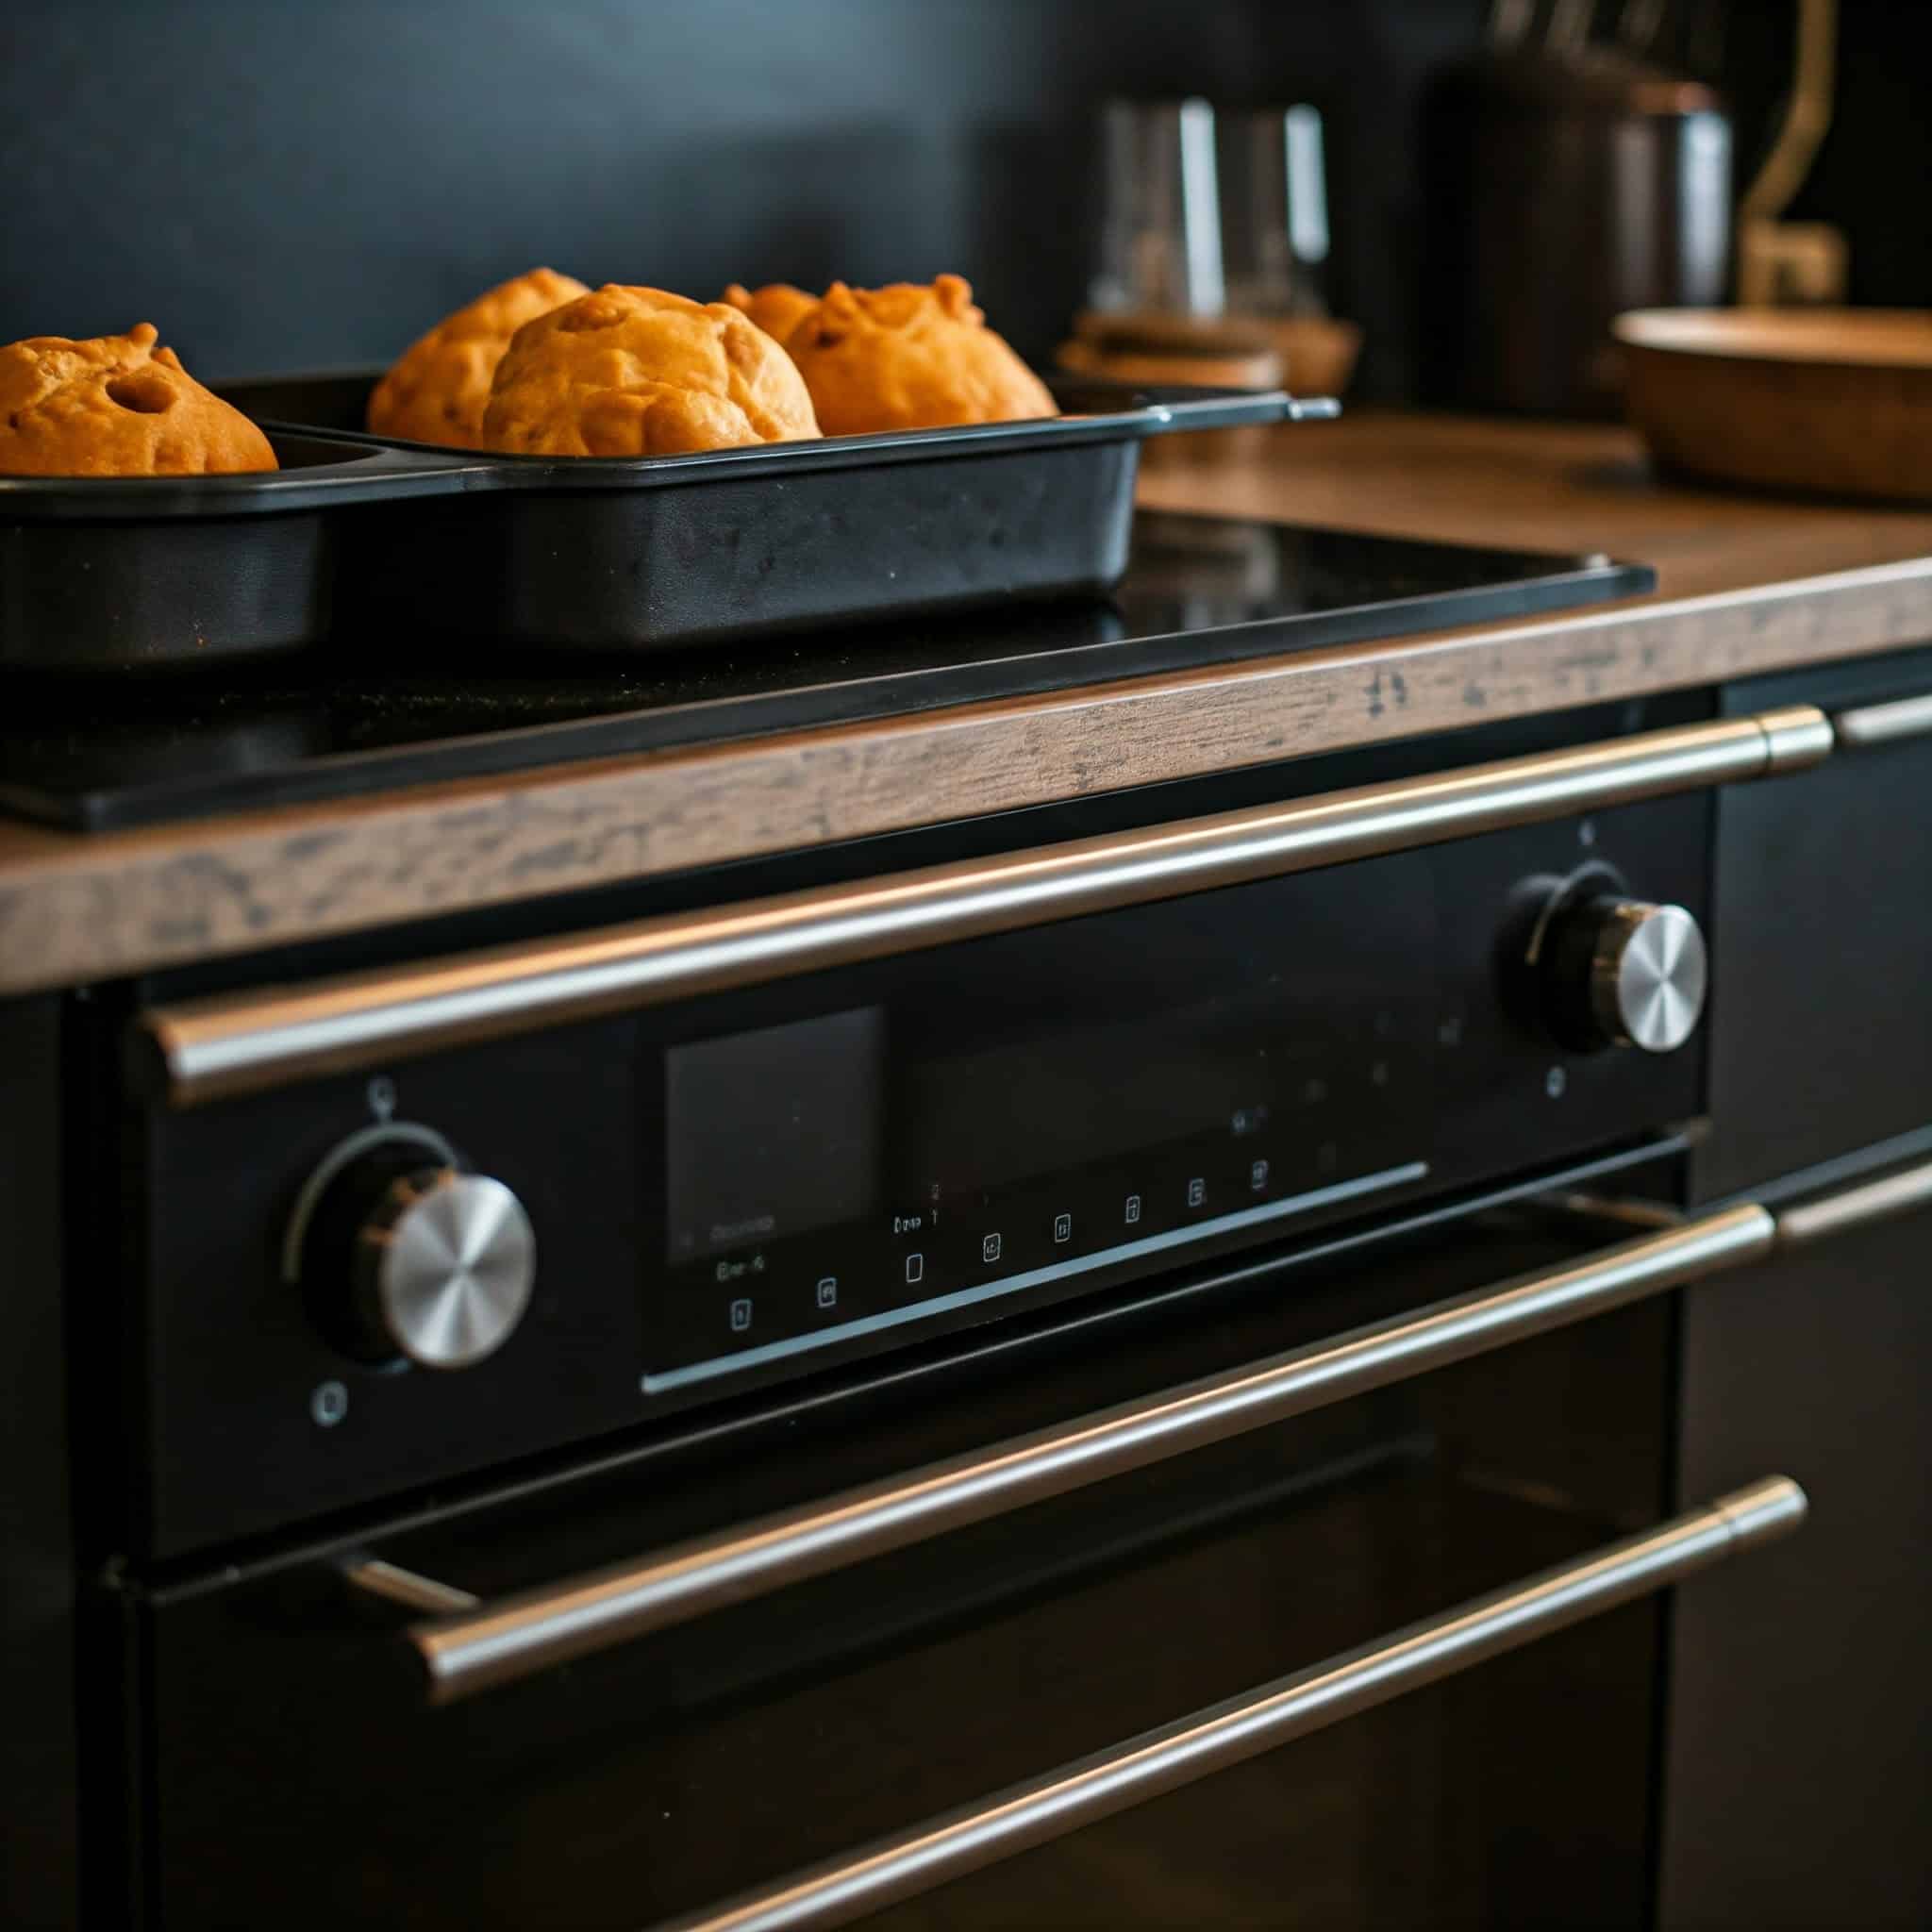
x: 284, y: 184
x: 287, y: 184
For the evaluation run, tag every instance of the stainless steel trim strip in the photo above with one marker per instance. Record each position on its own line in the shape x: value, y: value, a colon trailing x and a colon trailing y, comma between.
x: 518, y: 1636
x: 409, y: 1588
x: 1584, y: 1206
x: 1078, y: 1795
x: 236, y: 1044
x: 1869, y: 724
x: 1892, y: 1193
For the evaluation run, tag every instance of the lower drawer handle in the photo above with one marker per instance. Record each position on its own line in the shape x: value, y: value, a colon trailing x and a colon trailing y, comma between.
x: 1079, y: 1794
x: 469, y: 1649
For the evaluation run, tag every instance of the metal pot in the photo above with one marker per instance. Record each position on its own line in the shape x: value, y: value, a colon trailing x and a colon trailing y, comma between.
x: 1562, y: 189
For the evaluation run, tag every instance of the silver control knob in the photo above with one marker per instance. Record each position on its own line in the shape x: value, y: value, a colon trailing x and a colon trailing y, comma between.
x: 1647, y: 974
x: 443, y: 1267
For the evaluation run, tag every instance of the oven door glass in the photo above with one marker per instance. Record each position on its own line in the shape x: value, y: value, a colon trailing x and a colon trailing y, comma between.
x: 300, y: 1774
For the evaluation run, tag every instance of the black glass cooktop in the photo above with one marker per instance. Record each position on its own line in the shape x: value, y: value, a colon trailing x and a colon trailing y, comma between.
x: 1201, y: 591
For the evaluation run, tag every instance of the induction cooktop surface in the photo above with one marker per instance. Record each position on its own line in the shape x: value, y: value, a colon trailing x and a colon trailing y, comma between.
x: 347, y: 719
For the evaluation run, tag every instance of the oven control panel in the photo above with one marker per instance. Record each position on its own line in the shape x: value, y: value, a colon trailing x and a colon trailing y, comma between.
x: 360, y: 1286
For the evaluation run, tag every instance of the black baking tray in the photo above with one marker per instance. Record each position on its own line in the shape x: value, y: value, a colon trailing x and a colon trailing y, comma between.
x: 601, y: 556
x: 123, y: 574
x: 583, y: 555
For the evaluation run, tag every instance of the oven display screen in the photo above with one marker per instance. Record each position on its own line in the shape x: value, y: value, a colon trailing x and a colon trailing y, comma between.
x: 773, y: 1134
x: 970, y: 1136
x: 788, y: 1129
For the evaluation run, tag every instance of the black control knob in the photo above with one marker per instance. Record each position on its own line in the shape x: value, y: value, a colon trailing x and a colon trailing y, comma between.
x: 414, y: 1258
x: 1618, y: 972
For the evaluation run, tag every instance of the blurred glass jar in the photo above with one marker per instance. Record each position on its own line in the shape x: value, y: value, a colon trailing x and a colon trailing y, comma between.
x: 1211, y: 212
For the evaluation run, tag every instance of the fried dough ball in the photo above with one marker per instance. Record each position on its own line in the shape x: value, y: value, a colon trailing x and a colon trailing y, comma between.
x: 116, y: 406
x: 437, y: 391
x: 912, y: 356
x: 642, y: 373
x: 778, y: 307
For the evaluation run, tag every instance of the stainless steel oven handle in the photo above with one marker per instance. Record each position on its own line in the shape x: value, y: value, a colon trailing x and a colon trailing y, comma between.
x: 516, y: 1636
x: 1871, y: 724
x: 1079, y: 1794
x: 1899, y: 1193
x: 470, y: 1646
x: 234, y: 1044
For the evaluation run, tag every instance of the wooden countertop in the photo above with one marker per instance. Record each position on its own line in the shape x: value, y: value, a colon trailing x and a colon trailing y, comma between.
x: 1745, y: 585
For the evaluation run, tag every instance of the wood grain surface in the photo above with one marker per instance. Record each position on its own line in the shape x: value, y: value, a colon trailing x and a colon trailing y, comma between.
x: 1747, y: 585
x: 1548, y: 486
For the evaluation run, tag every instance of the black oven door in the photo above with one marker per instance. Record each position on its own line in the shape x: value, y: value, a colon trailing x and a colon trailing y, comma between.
x: 1192, y: 1614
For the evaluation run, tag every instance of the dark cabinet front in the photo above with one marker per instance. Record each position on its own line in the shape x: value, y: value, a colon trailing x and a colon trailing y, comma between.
x: 1819, y: 1023
x: 1809, y: 1808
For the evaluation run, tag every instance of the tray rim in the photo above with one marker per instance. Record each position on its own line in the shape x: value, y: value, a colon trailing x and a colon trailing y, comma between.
x: 366, y: 472
x: 1145, y: 410
x: 388, y: 469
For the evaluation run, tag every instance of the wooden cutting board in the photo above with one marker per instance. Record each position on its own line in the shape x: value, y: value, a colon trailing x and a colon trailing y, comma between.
x: 1827, y: 401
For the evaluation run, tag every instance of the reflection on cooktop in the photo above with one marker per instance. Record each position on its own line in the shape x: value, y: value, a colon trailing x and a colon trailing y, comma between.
x: 1201, y: 590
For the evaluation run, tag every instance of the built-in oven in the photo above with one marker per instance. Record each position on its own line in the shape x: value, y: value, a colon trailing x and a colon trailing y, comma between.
x: 1124, y: 1380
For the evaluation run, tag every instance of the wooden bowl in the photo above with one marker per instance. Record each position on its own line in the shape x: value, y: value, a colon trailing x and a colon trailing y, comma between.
x: 1836, y: 401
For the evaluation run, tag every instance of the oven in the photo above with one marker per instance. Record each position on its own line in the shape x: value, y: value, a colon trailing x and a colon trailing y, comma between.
x: 1124, y: 1379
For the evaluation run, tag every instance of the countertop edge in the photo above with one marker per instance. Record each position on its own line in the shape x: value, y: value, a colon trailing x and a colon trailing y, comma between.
x: 75, y: 909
